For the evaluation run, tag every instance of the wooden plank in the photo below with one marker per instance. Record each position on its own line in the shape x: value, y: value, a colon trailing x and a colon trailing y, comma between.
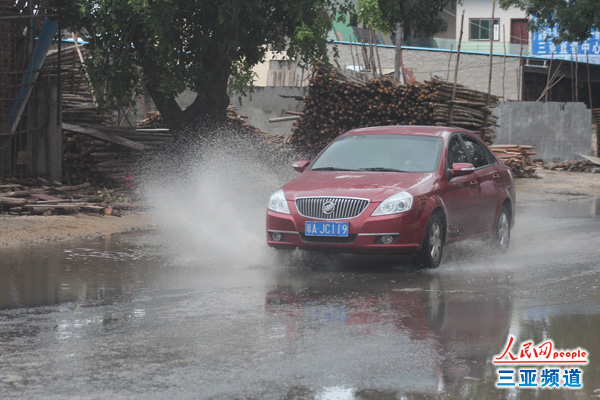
x: 12, y: 202
x: 109, y: 137
x: 71, y: 188
x: 282, y: 119
x: 592, y: 159
x: 63, y: 206
x: 50, y: 198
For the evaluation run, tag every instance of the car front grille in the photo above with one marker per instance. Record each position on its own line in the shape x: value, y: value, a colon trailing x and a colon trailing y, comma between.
x: 328, y: 239
x: 343, y: 207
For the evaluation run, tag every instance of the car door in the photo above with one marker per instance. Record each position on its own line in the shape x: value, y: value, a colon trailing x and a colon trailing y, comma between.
x: 461, y: 194
x: 488, y: 194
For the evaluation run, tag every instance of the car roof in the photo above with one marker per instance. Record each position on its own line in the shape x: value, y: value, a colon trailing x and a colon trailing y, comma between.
x: 424, y: 130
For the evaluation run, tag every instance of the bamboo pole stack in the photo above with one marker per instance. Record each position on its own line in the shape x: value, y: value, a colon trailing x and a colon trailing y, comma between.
x: 337, y: 103
x: 89, y: 159
x: 470, y: 108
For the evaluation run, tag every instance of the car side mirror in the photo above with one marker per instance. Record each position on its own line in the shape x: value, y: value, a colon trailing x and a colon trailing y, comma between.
x: 460, y: 169
x: 300, y: 166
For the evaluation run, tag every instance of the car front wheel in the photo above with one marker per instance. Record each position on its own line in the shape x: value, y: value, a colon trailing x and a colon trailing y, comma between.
x: 502, y: 233
x: 431, y: 252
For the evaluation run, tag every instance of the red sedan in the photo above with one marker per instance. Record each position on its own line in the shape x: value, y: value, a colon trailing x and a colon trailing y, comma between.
x: 395, y: 189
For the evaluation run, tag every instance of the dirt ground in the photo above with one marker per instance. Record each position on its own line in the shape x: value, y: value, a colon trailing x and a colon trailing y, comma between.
x: 25, y: 230
x: 558, y: 186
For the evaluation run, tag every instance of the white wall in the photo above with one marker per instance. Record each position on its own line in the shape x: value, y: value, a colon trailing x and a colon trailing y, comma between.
x: 483, y: 9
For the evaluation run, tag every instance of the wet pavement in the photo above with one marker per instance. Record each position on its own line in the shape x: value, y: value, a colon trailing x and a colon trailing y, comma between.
x: 122, y: 317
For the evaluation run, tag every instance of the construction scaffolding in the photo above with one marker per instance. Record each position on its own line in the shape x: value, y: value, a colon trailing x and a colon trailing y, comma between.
x: 30, y: 117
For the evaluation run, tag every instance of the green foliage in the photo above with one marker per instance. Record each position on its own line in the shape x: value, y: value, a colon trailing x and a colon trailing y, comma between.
x: 370, y: 14
x: 205, y: 45
x: 423, y: 17
x: 574, y: 19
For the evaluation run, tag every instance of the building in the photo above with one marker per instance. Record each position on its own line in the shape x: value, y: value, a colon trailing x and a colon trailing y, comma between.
x: 524, y: 63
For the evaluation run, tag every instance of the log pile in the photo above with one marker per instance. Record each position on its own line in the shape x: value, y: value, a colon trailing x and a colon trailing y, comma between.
x: 517, y: 158
x: 153, y: 120
x: 31, y: 197
x: 238, y: 124
x: 573, y: 166
x: 336, y: 104
x: 91, y: 159
x: 78, y: 103
x: 469, y: 109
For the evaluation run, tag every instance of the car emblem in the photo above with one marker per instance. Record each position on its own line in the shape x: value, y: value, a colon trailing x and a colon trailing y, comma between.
x: 328, y: 207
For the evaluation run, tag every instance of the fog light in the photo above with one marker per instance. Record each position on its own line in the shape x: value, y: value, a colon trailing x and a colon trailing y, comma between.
x: 276, y: 236
x: 387, y: 239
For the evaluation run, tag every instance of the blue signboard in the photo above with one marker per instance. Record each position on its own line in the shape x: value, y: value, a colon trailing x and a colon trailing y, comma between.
x: 541, y: 45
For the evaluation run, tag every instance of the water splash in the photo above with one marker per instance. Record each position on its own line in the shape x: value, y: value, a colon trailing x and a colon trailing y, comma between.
x: 209, y: 201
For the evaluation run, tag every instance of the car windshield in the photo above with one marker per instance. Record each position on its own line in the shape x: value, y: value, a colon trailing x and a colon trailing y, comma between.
x: 393, y: 153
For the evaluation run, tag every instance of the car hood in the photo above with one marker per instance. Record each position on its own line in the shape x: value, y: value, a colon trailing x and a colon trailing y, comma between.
x: 375, y: 186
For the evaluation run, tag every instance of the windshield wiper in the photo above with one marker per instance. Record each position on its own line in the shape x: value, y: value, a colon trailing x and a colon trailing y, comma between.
x: 331, y: 169
x: 382, y: 169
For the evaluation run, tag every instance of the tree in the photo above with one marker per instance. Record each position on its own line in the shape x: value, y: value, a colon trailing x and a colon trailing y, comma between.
x: 422, y: 18
x: 206, y: 45
x: 574, y: 19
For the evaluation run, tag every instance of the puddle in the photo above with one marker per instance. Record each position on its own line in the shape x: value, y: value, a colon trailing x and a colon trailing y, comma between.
x: 120, y: 316
x: 84, y: 272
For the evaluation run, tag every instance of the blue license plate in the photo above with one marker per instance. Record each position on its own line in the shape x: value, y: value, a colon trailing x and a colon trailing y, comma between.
x: 326, y: 228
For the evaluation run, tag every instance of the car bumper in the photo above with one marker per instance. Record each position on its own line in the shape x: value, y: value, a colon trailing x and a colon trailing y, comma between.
x: 364, y: 235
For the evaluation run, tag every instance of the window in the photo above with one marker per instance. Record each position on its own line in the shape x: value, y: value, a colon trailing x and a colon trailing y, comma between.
x: 480, y: 29
x: 456, y: 153
x: 408, y: 153
x: 480, y: 155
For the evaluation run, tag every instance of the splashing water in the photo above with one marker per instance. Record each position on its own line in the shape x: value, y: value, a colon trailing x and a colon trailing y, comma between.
x: 209, y: 204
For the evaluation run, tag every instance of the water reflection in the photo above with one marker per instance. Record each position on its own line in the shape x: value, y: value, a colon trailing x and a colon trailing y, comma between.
x: 440, y: 336
x: 92, y: 272
x: 325, y: 327
x: 595, y: 206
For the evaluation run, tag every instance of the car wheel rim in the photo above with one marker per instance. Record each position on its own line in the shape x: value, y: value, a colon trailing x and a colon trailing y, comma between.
x: 503, y: 230
x: 435, y: 242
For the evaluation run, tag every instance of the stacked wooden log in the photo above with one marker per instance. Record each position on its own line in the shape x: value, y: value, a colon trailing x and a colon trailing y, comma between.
x: 72, y: 79
x: 153, y: 120
x: 88, y: 158
x: 238, y: 124
x: 470, y: 108
x: 336, y: 104
x: 32, y: 197
x: 517, y: 158
x: 573, y: 166
x: 80, y: 108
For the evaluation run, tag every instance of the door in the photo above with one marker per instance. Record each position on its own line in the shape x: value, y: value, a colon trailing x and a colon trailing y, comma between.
x: 461, y: 193
x: 518, y: 31
x: 488, y: 194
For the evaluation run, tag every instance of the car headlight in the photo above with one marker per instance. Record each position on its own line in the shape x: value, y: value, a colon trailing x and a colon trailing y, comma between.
x: 398, y: 203
x: 278, y: 203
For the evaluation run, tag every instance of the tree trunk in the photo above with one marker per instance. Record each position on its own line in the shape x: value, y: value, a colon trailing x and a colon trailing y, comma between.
x: 170, y: 111
x: 210, y: 105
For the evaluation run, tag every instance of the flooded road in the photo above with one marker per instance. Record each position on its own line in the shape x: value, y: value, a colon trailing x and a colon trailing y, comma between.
x: 123, y: 317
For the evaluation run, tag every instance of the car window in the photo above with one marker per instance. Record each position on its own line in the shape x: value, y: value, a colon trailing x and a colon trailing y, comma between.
x: 477, y: 152
x: 407, y: 153
x: 456, y: 152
